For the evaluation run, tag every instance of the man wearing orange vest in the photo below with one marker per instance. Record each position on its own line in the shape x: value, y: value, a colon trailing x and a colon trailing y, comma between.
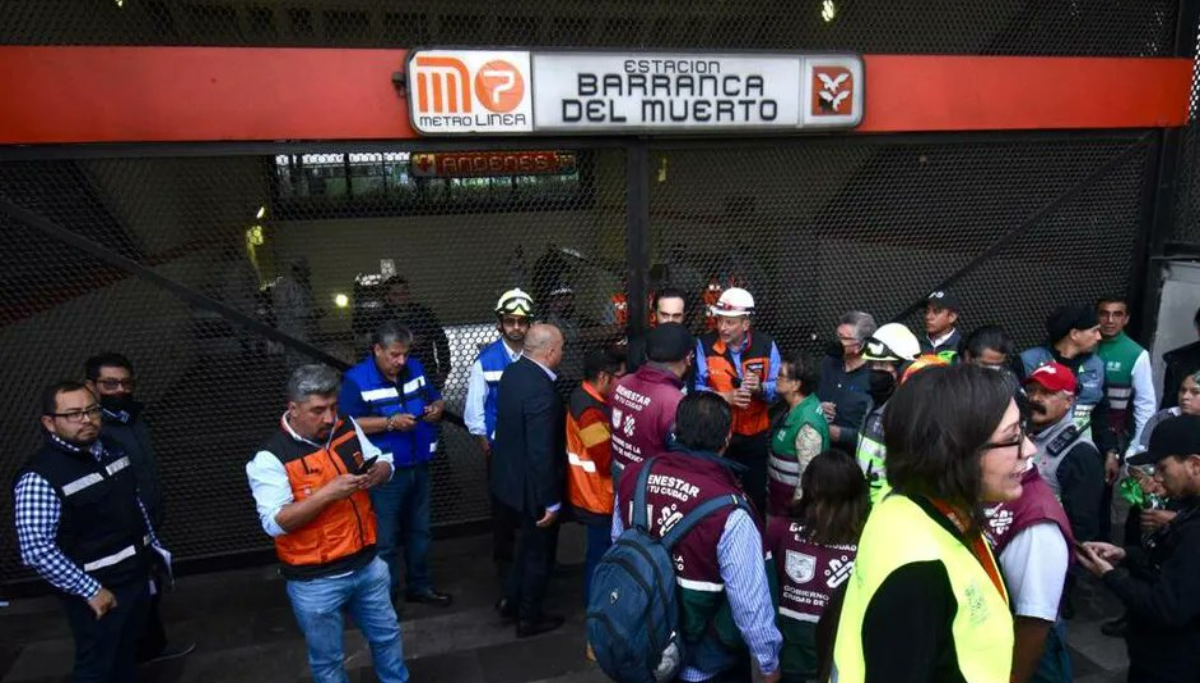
x: 310, y: 484
x: 589, y: 455
x: 741, y: 366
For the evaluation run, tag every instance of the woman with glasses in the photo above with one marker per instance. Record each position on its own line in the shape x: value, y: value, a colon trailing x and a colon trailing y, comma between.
x: 798, y: 435
x: 927, y: 601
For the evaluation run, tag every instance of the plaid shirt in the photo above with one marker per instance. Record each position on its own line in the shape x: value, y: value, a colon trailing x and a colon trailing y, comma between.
x: 38, y: 510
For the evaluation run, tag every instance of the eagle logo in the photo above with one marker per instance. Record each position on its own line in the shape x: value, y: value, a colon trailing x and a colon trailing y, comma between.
x: 834, y: 91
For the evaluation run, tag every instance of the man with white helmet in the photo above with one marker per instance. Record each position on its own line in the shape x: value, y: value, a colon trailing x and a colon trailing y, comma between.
x: 513, y: 312
x: 741, y: 366
x: 886, y: 351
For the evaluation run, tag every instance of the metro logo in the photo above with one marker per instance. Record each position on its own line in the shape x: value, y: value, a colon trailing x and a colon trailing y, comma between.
x: 470, y: 91
x: 833, y: 90
x: 438, y: 75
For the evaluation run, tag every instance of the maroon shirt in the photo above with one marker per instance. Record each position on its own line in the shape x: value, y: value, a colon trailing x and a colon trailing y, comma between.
x: 808, y: 573
x: 643, y: 414
x: 1036, y: 504
x: 680, y: 482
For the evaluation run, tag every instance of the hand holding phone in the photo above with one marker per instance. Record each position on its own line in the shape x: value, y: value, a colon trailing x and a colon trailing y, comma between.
x: 366, y: 465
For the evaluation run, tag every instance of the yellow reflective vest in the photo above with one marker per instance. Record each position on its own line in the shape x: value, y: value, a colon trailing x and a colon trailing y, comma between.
x: 899, y: 532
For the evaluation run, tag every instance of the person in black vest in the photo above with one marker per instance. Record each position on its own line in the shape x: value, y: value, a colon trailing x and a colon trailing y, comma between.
x: 110, y: 378
x: 81, y: 526
x: 528, y: 470
x: 1159, y: 583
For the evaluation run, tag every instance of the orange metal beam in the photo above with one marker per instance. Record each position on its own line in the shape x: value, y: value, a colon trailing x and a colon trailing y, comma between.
x: 178, y: 94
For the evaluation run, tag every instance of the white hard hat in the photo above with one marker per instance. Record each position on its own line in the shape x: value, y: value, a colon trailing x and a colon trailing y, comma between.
x: 514, y: 302
x: 734, y: 302
x: 893, y: 342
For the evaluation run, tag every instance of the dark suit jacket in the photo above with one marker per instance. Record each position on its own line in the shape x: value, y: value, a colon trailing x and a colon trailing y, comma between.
x: 529, y: 454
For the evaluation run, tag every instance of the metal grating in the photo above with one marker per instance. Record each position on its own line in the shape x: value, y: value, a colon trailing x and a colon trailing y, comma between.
x: 1000, y: 27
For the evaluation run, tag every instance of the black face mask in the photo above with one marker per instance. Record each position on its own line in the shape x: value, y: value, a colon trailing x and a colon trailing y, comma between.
x: 835, y: 349
x: 882, y: 386
x: 117, y: 404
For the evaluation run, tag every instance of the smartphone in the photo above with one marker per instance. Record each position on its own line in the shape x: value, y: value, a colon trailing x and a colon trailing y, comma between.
x: 366, y: 466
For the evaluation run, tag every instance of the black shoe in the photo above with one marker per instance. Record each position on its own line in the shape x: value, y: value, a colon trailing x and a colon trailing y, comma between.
x: 506, y: 611
x: 1115, y: 628
x: 171, y: 651
x: 544, y: 624
x: 430, y: 597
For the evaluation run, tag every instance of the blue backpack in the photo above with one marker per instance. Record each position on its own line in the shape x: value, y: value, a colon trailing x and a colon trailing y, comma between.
x: 633, y: 609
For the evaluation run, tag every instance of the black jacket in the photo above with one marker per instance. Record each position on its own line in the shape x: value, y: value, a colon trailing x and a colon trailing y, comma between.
x: 1160, y: 586
x: 1180, y: 363
x: 128, y: 431
x: 529, y: 454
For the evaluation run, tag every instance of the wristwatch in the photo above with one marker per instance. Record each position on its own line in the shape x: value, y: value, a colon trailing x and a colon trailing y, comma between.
x: 391, y: 423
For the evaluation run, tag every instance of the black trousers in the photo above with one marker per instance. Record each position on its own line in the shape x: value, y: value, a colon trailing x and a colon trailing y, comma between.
x: 154, y: 637
x: 751, y: 451
x: 106, y: 648
x: 526, y: 583
x: 505, y: 523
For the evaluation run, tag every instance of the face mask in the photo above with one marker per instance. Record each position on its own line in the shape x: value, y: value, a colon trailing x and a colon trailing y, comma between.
x: 835, y: 349
x: 116, y: 404
x: 882, y: 386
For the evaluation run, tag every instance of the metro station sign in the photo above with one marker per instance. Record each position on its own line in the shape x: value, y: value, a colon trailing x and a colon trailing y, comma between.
x: 514, y: 92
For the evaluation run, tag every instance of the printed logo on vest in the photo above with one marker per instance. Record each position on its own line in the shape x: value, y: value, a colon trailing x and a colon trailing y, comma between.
x: 977, y: 609
x: 1001, y: 521
x: 800, y: 567
x: 668, y: 517
x: 616, y: 418
x: 629, y: 426
x: 839, y: 570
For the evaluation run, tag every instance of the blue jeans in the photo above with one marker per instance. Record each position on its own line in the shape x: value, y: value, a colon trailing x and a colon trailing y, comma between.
x: 1055, y: 664
x: 599, y: 538
x: 318, y: 605
x: 402, y: 510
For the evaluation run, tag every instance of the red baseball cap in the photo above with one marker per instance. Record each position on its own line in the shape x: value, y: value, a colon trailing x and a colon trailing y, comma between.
x: 1053, y: 377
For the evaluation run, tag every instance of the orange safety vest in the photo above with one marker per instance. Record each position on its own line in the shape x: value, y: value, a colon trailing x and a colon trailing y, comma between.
x: 756, y: 358
x: 620, y: 304
x: 589, y: 459
x: 342, y: 537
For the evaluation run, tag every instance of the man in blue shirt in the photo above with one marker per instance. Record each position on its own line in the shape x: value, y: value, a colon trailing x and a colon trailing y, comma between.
x: 390, y: 397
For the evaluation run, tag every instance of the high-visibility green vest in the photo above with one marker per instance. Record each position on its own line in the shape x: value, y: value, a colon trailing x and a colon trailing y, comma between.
x: 899, y: 533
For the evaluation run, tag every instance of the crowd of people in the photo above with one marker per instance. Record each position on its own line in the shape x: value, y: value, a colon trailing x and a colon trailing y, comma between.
x: 909, y: 507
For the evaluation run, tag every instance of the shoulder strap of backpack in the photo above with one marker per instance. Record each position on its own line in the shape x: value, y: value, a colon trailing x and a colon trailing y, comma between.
x: 696, y: 516
x: 639, y: 497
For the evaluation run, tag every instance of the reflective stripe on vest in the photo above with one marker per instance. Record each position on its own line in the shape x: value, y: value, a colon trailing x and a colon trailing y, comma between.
x: 900, y: 533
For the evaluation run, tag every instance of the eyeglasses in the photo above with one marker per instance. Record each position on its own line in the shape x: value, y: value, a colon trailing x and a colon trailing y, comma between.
x: 1019, y: 441
x: 85, y: 415
x: 113, y: 384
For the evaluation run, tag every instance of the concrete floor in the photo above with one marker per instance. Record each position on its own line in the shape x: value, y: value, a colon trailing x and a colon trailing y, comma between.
x: 245, y: 631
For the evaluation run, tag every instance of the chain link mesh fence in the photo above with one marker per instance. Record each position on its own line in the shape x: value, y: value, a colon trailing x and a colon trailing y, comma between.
x: 812, y: 226
x: 1001, y: 27
x: 345, y: 229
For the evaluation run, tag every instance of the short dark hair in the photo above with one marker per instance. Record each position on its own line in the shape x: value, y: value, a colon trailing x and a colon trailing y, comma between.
x: 670, y: 293
x: 702, y: 422
x: 1112, y: 300
x: 988, y: 337
x: 108, y: 359
x: 834, y: 503
x: 394, y: 281
x: 390, y: 332
x: 602, y: 360
x: 935, y: 427
x: 50, y: 395
x: 803, y: 369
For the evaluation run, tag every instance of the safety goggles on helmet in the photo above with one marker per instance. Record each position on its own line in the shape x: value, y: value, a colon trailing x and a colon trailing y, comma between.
x: 876, y: 350
x: 515, y: 302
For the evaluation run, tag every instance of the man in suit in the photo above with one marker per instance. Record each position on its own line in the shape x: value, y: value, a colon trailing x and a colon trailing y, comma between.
x: 528, y: 469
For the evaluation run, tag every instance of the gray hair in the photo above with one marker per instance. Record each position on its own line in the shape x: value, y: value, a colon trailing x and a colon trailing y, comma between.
x: 391, y: 332
x: 863, y: 323
x: 312, y: 380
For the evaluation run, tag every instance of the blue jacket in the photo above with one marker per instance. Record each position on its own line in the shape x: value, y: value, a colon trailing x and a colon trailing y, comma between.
x: 493, y: 359
x: 367, y: 393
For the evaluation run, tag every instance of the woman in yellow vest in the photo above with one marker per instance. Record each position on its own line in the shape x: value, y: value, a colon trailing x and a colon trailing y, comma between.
x: 926, y: 601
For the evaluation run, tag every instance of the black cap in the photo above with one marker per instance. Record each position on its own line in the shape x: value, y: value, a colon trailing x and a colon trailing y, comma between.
x: 943, y: 299
x: 1067, y: 318
x: 669, y: 343
x: 1175, y: 436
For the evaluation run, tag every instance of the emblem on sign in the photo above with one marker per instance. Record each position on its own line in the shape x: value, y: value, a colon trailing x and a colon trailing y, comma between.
x: 800, y: 567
